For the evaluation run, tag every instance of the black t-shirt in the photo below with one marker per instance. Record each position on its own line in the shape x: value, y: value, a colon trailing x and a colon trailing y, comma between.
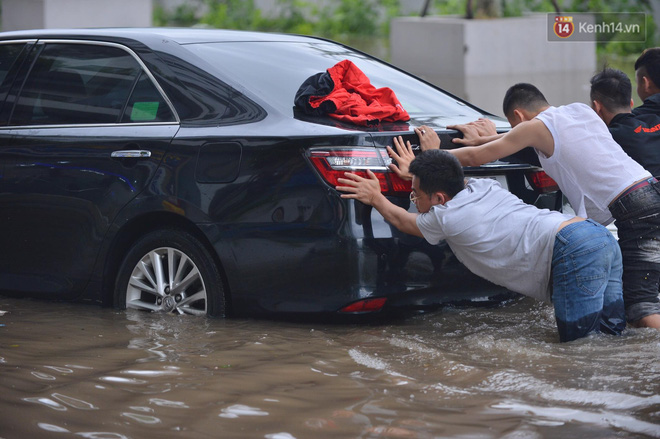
x: 651, y: 105
x: 639, y: 136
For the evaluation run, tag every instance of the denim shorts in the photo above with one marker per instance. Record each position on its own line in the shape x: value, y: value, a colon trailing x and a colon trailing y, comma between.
x: 586, y: 280
x: 637, y: 216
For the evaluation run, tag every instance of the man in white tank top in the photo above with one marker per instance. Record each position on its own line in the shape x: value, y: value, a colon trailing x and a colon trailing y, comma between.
x: 601, y: 181
x: 541, y: 253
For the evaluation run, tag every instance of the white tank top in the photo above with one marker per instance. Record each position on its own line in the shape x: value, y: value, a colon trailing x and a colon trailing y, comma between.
x: 590, y: 168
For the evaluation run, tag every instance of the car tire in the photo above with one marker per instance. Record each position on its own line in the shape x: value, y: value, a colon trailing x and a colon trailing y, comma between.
x: 170, y: 270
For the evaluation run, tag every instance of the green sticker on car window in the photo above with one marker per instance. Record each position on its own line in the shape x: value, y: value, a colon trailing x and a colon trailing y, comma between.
x: 144, y: 111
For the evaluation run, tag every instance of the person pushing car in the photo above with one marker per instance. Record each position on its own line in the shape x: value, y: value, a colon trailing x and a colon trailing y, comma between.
x: 572, y: 262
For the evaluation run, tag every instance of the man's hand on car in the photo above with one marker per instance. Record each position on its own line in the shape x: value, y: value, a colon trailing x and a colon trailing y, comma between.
x: 475, y: 133
x: 359, y: 188
x: 403, y: 156
x: 428, y: 138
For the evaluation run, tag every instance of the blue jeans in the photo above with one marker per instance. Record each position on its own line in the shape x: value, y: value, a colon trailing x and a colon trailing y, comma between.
x: 637, y: 218
x: 586, y: 279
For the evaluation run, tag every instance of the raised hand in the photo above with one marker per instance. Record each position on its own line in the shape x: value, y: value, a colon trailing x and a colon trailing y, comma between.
x: 403, y: 156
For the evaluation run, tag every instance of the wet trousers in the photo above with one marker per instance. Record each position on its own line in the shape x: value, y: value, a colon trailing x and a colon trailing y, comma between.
x: 637, y: 216
x: 586, y: 279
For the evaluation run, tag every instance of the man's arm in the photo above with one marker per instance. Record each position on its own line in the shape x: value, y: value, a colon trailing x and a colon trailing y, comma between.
x: 367, y: 190
x: 532, y: 133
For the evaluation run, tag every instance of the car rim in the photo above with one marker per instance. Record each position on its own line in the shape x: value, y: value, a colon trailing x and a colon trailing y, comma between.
x: 167, y: 280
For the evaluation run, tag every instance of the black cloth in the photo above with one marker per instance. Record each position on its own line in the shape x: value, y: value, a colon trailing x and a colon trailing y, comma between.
x: 651, y: 105
x: 318, y: 84
x: 639, y: 136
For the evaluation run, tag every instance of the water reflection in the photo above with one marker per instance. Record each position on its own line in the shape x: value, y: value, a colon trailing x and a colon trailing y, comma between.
x: 480, y: 372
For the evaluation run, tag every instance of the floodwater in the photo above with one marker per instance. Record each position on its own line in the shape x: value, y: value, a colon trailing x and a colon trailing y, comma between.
x: 77, y: 370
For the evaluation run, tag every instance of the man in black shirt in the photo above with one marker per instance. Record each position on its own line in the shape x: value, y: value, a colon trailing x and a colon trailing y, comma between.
x: 638, y: 130
x: 647, y: 75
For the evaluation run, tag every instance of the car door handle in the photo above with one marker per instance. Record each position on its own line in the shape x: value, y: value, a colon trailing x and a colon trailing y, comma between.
x: 131, y: 153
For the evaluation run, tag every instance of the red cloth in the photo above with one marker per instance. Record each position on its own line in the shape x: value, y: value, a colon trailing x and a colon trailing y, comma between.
x: 358, y: 101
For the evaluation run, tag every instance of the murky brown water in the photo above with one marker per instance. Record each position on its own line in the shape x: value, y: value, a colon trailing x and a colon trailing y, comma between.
x: 75, y: 370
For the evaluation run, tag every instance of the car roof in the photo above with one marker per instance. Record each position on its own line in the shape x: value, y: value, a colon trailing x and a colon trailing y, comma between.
x: 178, y: 35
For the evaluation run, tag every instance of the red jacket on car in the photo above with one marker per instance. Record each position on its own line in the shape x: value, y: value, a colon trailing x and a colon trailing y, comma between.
x: 345, y: 93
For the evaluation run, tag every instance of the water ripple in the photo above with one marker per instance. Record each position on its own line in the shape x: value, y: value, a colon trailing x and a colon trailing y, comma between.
x: 566, y: 415
x: 237, y: 410
x: 143, y: 419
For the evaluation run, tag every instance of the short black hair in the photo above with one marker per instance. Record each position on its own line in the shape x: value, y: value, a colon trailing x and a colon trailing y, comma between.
x: 523, y: 95
x: 650, y: 61
x: 612, y: 88
x: 438, y: 171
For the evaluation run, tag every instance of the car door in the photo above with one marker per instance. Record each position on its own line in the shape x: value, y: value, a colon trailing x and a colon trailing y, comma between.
x: 86, y: 134
x: 12, y: 56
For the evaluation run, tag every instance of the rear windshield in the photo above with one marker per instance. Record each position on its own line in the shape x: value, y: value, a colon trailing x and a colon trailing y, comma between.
x: 273, y: 72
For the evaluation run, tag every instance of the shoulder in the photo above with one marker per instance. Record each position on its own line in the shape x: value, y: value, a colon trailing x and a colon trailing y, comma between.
x: 548, y: 112
x: 636, y: 122
x: 539, y: 133
x: 480, y: 188
x: 480, y: 185
x: 542, y: 123
x: 581, y: 111
x: 578, y: 106
x: 576, y: 109
x: 484, y: 198
x: 651, y: 105
x: 623, y: 122
x: 623, y: 119
x: 649, y: 119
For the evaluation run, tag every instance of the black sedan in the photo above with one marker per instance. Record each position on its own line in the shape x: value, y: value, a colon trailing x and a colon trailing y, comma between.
x: 169, y: 170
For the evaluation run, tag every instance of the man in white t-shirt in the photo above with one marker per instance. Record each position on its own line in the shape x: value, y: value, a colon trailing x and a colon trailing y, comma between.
x: 574, y: 263
x: 599, y: 179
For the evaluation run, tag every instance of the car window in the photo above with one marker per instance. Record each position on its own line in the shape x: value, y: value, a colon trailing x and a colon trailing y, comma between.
x: 290, y: 64
x: 146, y: 104
x: 79, y: 84
x: 206, y: 99
x: 9, y: 62
x: 8, y: 55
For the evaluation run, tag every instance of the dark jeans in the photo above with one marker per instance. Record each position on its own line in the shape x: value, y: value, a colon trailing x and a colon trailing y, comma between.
x: 586, y: 281
x: 637, y: 216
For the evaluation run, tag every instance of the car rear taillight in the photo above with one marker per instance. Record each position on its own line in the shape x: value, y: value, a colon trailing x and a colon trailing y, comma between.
x: 364, y: 306
x: 333, y: 163
x: 542, y: 182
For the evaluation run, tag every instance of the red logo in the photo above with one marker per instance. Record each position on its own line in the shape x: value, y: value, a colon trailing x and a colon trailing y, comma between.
x: 563, y: 26
x: 641, y: 129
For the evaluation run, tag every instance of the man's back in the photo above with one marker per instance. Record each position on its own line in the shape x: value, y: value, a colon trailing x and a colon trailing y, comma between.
x: 589, y: 166
x: 497, y: 236
x: 639, y: 136
x: 651, y: 105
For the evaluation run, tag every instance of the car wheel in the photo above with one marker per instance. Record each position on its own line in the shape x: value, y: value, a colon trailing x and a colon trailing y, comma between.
x: 170, y: 271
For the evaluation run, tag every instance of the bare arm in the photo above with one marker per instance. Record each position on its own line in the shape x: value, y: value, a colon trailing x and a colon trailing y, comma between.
x: 367, y: 190
x: 531, y: 133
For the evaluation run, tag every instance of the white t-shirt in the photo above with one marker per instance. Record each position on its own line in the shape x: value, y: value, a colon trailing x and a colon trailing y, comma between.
x: 590, y: 168
x: 497, y: 236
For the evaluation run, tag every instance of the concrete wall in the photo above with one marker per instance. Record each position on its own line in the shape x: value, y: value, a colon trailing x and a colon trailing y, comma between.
x: 479, y: 59
x: 36, y: 14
